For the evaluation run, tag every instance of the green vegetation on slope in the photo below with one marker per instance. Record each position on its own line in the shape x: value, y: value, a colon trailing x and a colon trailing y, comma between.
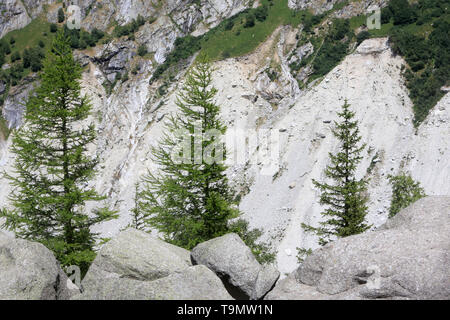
x: 236, y: 36
x: 419, y: 33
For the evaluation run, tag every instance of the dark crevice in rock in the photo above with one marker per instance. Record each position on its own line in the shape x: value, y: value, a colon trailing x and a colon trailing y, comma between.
x: 234, y: 291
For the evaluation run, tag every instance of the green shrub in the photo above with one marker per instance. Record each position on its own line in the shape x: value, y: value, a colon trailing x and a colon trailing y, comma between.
x: 5, y: 48
x: 129, y: 28
x: 386, y: 15
x: 302, y: 253
x: 16, y: 73
x: 53, y: 28
x: 405, y: 191
x: 261, y: 250
x: 15, y: 56
x: 61, y: 16
x: 363, y: 35
x: 329, y: 56
x: 229, y: 25
x: 428, y: 59
x: 401, y: 12
x: 142, y: 50
x: 261, y: 13
x: 339, y: 29
x: 97, y: 34
x: 135, y: 70
x: 32, y: 58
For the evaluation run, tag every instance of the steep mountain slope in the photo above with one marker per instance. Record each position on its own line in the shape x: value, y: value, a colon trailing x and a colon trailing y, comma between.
x: 130, y: 118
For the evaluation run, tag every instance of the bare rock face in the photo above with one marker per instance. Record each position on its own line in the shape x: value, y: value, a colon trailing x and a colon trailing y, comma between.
x: 16, y: 14
x: 233, y: 261
x: 13, y: 16
x: 29, y: 271
x: 349, y: 9
x: 408, y: 258
x: 136, y: 255
x: 136, y: 266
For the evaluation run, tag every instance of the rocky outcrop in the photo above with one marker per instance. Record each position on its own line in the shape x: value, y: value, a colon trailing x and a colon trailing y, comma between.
x: 2, y: 87
x: 349, y: 9
x: 29, y: 271
x: 14, y: 106
x: 159, y: 37
x: 233, y: 261
x: 115, y: 57
x: 408, y: 258
x: 192, y: 283
x: 136, y: 266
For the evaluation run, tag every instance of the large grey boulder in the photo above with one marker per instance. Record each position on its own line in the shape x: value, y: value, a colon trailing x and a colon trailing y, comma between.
x: 135, y: 255
x: 290, y: 289
x: 137, y: 266
x: 29, y: 271
x: 193, y: 283
x: 233, y: 261
x: 408, y: 258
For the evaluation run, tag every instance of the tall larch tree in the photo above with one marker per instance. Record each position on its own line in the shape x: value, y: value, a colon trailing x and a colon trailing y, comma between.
x: 345, y: 196
x: 189, y: 200
x: 52, y: 167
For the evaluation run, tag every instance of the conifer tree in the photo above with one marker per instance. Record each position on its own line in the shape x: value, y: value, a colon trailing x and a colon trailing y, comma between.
x: 138, y: 214
x: 52, y: 169
x: 190, y: 201
x: 405, y: 191
x: 345, y: 198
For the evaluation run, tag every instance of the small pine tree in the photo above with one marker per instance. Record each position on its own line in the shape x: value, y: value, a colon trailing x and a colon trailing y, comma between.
x: 61, y: 16
x: 139, y: 216
x: 345, y: 198
x: 405, y: 191
x: 52, y: 169
x: 191, y: 202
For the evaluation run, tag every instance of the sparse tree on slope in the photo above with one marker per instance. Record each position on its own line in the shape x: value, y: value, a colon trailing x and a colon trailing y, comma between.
x: 345, y: 198
x: 190, y: 200
x: 138, y: 214
x: 405, y: 191
x: 52, y: 168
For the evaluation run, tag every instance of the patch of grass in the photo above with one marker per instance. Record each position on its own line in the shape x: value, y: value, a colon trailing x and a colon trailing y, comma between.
x: 383, y: 32
x: 31, y: 35
x: 238, y: 40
